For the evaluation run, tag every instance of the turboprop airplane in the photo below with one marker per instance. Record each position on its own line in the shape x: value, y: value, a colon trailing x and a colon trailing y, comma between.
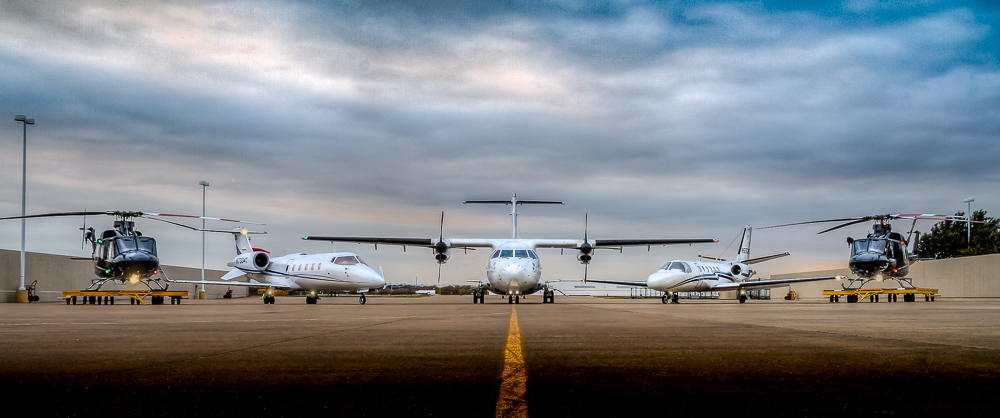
x: 514, y: 269
x: 700, y: 276
x: 315, y: 273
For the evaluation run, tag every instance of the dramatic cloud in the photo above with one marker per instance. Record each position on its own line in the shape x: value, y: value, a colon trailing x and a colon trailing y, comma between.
x: 370, y: 118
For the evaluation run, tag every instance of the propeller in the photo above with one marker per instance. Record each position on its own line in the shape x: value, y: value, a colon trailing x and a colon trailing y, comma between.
x: 585, y: 248
x: 440, y: 248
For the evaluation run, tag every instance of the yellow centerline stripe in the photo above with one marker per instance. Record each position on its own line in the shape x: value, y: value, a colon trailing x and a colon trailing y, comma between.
x: 511, y: 402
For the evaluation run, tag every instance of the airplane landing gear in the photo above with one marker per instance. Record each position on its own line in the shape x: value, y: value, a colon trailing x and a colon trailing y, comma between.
x: 268, y: 300
x: 479, y: 296
x: 362, y: 300
x: 549, y: 296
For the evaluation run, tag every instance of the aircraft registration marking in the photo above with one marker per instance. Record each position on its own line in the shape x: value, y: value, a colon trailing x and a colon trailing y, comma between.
x: 511, y: 402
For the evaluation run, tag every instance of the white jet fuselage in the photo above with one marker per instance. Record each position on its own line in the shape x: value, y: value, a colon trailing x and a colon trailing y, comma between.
x: 326, y: 272
x: 693, y: 276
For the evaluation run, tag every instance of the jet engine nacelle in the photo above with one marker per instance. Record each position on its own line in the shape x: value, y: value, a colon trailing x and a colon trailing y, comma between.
x: 255, y: 261
x: 740, y: 269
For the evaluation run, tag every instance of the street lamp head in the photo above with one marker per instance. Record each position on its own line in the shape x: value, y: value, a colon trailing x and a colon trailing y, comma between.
x: 203, y: 183
x: 969, y: 200
x: 22, y: 118
x: 19, y: 118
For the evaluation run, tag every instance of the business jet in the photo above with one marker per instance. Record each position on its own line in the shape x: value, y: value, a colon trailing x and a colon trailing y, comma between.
x: 514, y: 268
x: 314, y: 273
x: 700, y: 276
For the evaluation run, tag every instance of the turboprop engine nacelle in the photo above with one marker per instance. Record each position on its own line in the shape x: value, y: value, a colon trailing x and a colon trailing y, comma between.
x: 743, y: 270
x: 255, y: 261
x: 586, y: 253
x: 442, y: 252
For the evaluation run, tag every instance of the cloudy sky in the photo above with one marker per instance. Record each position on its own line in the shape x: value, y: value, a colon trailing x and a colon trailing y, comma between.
x: 658, y: 119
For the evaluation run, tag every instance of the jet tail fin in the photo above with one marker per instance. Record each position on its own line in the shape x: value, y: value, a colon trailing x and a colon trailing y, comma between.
x: 744, y: 253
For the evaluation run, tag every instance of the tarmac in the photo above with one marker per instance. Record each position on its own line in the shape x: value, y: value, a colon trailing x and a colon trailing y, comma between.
x: 445, y: 356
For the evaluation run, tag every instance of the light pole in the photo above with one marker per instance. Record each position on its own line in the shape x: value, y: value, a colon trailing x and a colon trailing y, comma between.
x: 204, y: 188
x: 968, y: 215
x: 22, y: 293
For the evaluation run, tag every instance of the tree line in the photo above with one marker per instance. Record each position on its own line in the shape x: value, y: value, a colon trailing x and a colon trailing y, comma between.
x: 949, y: 239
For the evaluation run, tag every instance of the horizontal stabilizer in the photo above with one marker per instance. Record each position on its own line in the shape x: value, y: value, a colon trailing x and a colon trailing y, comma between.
x: 765, y: 258
x: 234, y: 273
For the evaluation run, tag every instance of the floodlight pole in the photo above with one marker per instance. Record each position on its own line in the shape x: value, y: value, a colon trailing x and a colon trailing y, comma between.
x: 22, y: 293
x: 968, y: 215
x: 204, y: 188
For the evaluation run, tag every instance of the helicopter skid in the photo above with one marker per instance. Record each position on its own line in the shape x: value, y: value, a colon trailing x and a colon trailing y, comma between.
x: 872, y: 294
x: 107, y: 297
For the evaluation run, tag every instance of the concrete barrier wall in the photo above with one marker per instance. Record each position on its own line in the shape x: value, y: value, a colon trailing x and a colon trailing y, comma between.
x: 56, y: 273
x: 965, y: 277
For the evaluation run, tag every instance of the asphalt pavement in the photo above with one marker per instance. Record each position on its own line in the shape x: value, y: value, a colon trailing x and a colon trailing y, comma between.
x: 445, y: 356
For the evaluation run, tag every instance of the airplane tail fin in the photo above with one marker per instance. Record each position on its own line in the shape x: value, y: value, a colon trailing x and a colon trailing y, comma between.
x: 744, y: 253
x: 242, y: 237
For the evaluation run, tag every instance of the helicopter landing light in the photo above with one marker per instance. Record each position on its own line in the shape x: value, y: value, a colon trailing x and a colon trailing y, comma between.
x: 134, y: 279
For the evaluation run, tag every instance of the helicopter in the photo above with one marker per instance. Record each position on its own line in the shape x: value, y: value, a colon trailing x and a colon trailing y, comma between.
x: 122, y: 254
x: 883, y: 253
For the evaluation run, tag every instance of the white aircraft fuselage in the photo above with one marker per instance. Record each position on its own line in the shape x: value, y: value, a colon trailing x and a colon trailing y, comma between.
x: 324, y: 273
x: 695, y: 276
x: 514, y: 269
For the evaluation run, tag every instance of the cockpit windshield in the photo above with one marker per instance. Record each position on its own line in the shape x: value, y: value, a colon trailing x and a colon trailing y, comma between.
x: 514, y: 254
x: 869, y: 245
x: 676, y: 265
x: 124, y: 245
x: 347, y: 260
x: 147, y: 244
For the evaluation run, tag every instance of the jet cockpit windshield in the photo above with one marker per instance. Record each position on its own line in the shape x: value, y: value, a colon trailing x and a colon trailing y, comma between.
x: 677, y: 265
x: 348, y: 260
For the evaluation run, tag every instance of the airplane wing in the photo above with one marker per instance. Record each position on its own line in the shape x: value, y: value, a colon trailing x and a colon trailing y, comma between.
x: 253, y: 284
x: 766, y: 284
x: 417, y: 242
x: 765, y: 258
x: 637, y: 284
x: 614, y: 243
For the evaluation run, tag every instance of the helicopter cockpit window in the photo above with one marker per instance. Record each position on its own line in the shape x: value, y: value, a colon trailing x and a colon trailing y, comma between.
x: 147, y: 244
x: 877, y: 246
x: 124, y: 245
x: 346, y: 260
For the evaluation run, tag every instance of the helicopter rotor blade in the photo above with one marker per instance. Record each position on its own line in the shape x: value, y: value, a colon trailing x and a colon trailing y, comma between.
x: 843, y: 225
x: 146, y: 215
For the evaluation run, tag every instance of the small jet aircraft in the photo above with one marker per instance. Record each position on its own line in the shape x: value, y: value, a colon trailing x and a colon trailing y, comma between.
x: 514, y: 268
x: 699, y: 276
x: 315, y: 273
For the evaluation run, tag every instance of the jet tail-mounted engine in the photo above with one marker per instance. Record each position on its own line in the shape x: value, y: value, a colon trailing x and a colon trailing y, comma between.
x: 254, y: 261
